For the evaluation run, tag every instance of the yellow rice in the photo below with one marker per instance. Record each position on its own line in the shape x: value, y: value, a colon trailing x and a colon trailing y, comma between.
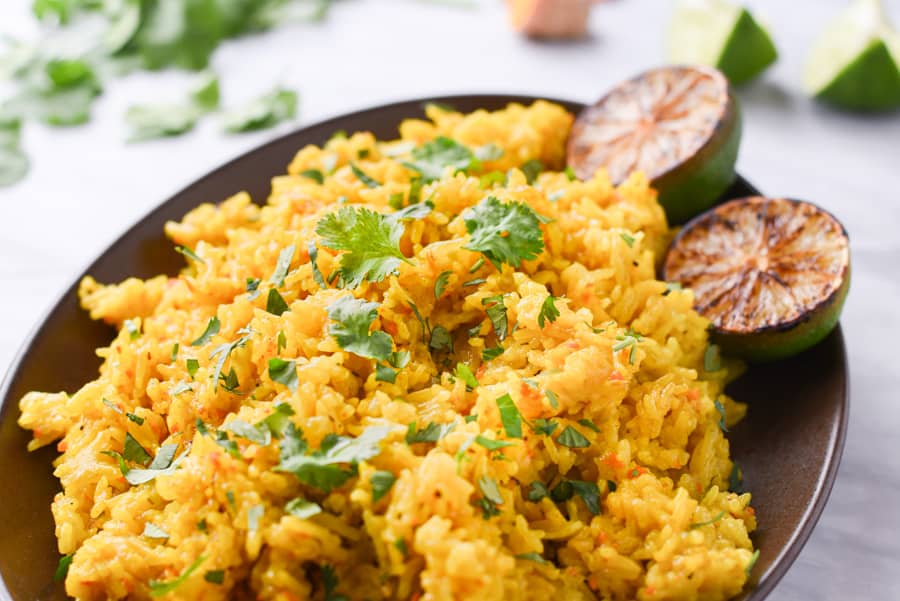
x: 669, y: 530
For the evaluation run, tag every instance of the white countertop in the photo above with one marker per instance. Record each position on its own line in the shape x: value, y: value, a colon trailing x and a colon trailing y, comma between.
x: 86, y: 186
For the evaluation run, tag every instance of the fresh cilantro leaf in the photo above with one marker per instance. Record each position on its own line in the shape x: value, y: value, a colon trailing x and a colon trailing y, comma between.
x: 275, y: 303
x: 475, y: 282
x: 229, y: 495
x: 230, y: 381
x: 395, y: 201
x: 254, y: 515
x: 205, y: 96
x: 415, y: 190
x: 477, y: 265
x: 136, y: 419
x: 551, y: 396
x: 471, y: 418
x: 589, y: 493
x: 362, y: 176
x: 535, y: 557
x: 253, y: 287
x: 629, y: 339
x: 212, y: 328
x: 496, y: 312
x: 284, y: 372
x: 158, y: 588
x: 510, y: 416
x: 313, y: 261
x: 214, y: 576
x: 544, y: 426
x: 330, y: 582
x: 532, y: 169
x: 430, y: 159
x: 570, y: 174
x: 488, y: 180
x: 282, y: 266
x: 221, y: 354
x: 712, y: 360
x: 708, y: 522
x: 385, y: 373
x: 629, y: 239
x: 278, y: 420
x: 323, y: 468
x: 431, y: 433
x: 371, y: 240
x: 750, y: 564
x: 133, y: 451
x: 491, y: 444
x: 440, y: 284
x: 562, y: 492
x: 154, y: 531
x: 13, y: 165
x: 313, y: 174
x: 504, y: 232
x: 417, y: 211
x: 134, y: 332
x: 353, y: 318
x: 488, y: 152
x: 491, y: 353
x: 720, y: 408
x: 490, y: 490
x: 146, y: 122
x: 572, y: 438
x: 588, y: 424
x: 464, y: 373
x: 258, y: 434
x: 280, y: 342
x: 190, y: 254
x: 192, y: 366
x: 537, y: 491
x: 202, y: 526
x: 302, y: 508
x: 549, y: 312
x: 62, y: 568
x: 266, y: 111
x: 381, y: 481
x: 440, y: 340
x: 162, y: 465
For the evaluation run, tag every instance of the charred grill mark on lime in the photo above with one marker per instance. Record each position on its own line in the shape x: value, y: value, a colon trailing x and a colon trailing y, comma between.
x: 679, y: 125
x: 771, y: 274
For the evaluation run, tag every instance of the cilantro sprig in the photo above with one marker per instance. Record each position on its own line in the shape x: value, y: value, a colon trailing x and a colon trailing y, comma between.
x: 352, y: 319
x: 430, y: 159
x: 504, y: 232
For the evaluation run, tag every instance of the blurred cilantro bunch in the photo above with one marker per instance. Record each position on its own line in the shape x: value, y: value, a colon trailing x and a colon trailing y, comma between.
x: 83, y: 44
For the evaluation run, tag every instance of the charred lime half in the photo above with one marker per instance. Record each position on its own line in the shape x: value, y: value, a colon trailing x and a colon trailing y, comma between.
x: 679, y: 125
x: 771, y: 274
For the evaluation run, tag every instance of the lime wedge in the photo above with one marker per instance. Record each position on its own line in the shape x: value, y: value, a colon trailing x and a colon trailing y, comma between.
x: 722, y: 35
x: 855, y: 63
x: 771, y: 274
x: 678, y: 125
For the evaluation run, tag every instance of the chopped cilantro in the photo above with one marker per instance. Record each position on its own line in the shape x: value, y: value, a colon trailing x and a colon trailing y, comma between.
x: 504, y: 232
x: 415, y: 190
x: 280, y: 342
x: 154, y: 531
x: 712, y: 360
x: 230, y: 381
x: 489, y: 152
x: 212, y: 328
x: 510, y: 416
x: 532, y: 169
x: 414, y: 211
x: 133, y: 451
x: 430, y: 159
x: 708, y: 522
x: 629, y: 239
x: 301, y: 508
x: 572, y: 438
x: 278, y: 420
x: 460, y: 454
x: 282, y: 266
x: 440, y: 340
x: 136, y: 419
x: 202, y: 526
x: 352, y: 318
x: 431, y: 433
x: 544, y: 426
x: 491, y: 353
x: 330, y: 582
x: 275, y: 303
x: 464, y: 373
x: 395, y: 201
x: 750, y: 564
x: 496, y: 312
x: 363, y: 177
x: 372, y: 242
x: 284, y: 372
x: 158, y: 588
x: 134, y: 332
x: 259, y: 434
x: 471, y: 418
x: 385, y: 373
x: 537, y: 491
x: 187, y: 252
x: 611, y: 486
x: 475, y: 282
x: 440, y: 284
x: 263, y: 112
x: 589, y: 424
x: 492, y: 445
x: 589, y: 493
x: 215, y: 576
x: 381, y: 481
x: 221, y: 354
x: 149, y: 121
x: 62, y: 568
x: 488, y: 180
x: 549, y: 312
x: 477, y: 265
x: 162, y: 465
x: 323, y: 468
x: 629, y: 339
x: 721, y: 410
x: 313, y: 174
x: 173, y: 356
x: 490, y: 490
x: 252, y: 288
x: 535, y: 557
x: 570, y: 174
x: 551, y: 396
x: 192, y: 366
x: 229, y: 495
x: 313, y: 262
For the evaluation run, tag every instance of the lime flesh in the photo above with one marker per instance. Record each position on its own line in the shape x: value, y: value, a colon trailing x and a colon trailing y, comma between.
x: 721, y: 35
x: 678, y: 125
x: 770, y: 274
x: 855, y: 64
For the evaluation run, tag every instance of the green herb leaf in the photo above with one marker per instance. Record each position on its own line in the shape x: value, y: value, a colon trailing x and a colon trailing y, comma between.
x: 532, y: 557
x: 471, y: 418
x: 112, y: 405
x: 532, y: 169
x: 282, y: 266
x: 284, y: 372
x: 510, y: 416
x: 750, y: 564
x: 180, y: 388
x: 491, y: 353
x: 280, y: 342
x: 221, y: 354
x: 628, y: 340
x: 192, y: 366
x: 278, y: 420
x: 551, y: 396
x: 416, y: 211
x: 303, y: 509
x: 212, y: 328
x: 154, y: 531
x: 589, y: 493
x: 544, y: 426
x: 253, y: 288
x: 147, y: 122
x: 371, y: 240
x: 440, y: 284
x: 400, y: 545
x: 475, y: 282
x: 570, y: 174
x: 572, y: 438
x: 489, y: 180
x: 736, y: 479
x: 504, y: 232
x: 361, y: 175
x: 431, y: 433
x: 549, y: 312
x: 134, y: 332
x: 158, y: 588
x: 496, y: 312
x: 629, y: 239
x: 537, y: 491
x: 490, y: 490
x: 589, y: 424
x: 62, y: 568
x: 708, y: 522
x: 433, y: 157
x: 215, y: 576
x: 133, y: 451
x: 258, y: 434
x: 491, y: 444
x: 488, y: 152
x: 721, y: 410
x: 138, y: 420
x: 162, y: 465
x: 440, y: 340
x: 313, y: 174
x: 465, y: 374
x: 264, y: 112
x: 313, y: 261
x: 385, y: 373
x: 353, y: 318
x: 275, y: 303
x: 381, y: 481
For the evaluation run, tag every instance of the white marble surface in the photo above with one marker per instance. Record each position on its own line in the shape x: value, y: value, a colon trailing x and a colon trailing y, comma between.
x: 87, y: 186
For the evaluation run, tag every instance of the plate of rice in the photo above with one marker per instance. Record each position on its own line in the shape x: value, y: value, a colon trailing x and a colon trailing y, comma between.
x: 405, y: 354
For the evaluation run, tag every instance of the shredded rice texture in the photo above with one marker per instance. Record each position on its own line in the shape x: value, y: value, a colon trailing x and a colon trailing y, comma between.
x: 666, y: 526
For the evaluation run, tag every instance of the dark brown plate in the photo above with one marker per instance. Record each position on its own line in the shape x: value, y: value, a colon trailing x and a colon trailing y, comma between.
x: 789, y: 446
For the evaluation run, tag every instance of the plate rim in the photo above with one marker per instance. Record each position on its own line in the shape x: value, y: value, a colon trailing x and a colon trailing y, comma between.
x: 762, y: 586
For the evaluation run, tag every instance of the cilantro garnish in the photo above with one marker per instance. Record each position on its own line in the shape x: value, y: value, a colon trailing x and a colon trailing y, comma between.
x: 136, y: 419
x: 708, y: 522
x: 258, y: 434
x: 753, y: 559
x: 572, y: 438
x: 431, y: 433
x: 440, y: 284
x: 712, y: 360
x: 488, y: 180
x: 471, y: 418
x: 187, y: 252
x: 510, y: 416
x: 334, y: 463
x: 475, y: 282
x: 313, y: 174
x: 537, y: 491
x: 492, y: 498
x: 385, y: 373
x: 629, y: 339
x: 230, y: 381
x: 62, y: 568
x: 629, y: 239
x: 372, y: 242
x: 214, y: 576
x: 464, y: 373
x: 491, y: 353
x: 275, y: 303
x: 477, y: 265
x: 492, y: 445
x: 313, y: 258
x: 363, y: 177
x: 531, y: 557
x: 133, y: 451
x: 589, y: 424
x: 721, y: 410
x: 263, y: 112
x: 149, y: 121
x: 549, y: 312
x: 544, y: 426
x: 180, y: 388
x: 252, y: 288
x: 284, y: 372
x: 353, y: 317
x: 589, y: 493
x: 570, y: 174
x: 280, y: 342
x: 330, y: 582
x: 192, y: 366
x: 532, y: 169
x: 158, y: 588
x: 440, y: 340
x: 551, y: 396
x: 223, y: 351
x: 400, y: 545
x: 154, y: 531
x: 430, y: 159
x: 212, y: 328
x: 111, y: 405
x: 504, y: 233
x: 414, y: 211
x: 302, y: 508
x: 496, y: 312
x: 381, y: 481
x: 134, y: 332
x: 282, y: 266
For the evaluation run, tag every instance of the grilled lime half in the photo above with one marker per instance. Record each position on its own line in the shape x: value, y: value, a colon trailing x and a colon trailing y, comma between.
x: 679, y: 125
x: 771, y: 274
